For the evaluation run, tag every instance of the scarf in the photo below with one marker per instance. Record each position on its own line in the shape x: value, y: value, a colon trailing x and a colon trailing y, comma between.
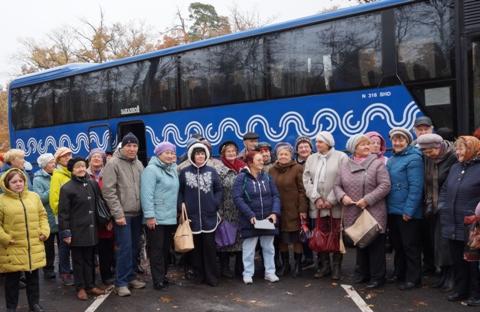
x: 236, y: 165
x: 359, y: 160
x: 321, y: 172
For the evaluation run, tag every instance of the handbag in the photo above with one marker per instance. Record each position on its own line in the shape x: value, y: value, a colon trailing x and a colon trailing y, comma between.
x: 226, y: 234
x: 364, y: 230
x: 472, y: 249
x: 183, y: 238
x: 326, y: 235
x: 102, y: 212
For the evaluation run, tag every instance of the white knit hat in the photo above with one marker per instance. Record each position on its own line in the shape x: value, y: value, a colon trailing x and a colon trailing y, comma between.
x: 44, y: 159
x: 326, y: 137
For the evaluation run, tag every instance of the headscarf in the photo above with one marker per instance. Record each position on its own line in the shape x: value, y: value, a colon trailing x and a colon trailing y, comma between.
x: 383, y: 144
x: 472, y: 145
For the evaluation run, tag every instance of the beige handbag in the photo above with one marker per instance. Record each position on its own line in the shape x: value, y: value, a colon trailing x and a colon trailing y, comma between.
x: 364, y: 230
x: 183, y: 239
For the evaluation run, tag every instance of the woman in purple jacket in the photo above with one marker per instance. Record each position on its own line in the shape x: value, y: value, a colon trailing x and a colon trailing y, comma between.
x: 363, y: 183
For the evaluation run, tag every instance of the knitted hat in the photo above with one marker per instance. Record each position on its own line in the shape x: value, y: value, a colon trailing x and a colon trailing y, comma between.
x: 163, y: 147
x: 44, y: 159
x: 62, y: 151
x: 129, y: 138
x: 302, y: 139
x: 353, y: 141
x: 71, y: 163
x: 283, y: 145
x: 97, y: 151
x: 326, y: 137
x: 403, y: 132
x: 429, y: 140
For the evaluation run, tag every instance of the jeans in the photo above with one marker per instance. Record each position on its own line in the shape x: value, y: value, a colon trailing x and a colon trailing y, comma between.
x: 248, y: 254
x: 64, y: 264
x: 127, y: 242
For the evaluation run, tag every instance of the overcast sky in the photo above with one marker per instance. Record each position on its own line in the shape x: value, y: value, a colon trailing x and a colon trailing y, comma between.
x: 21, y: 19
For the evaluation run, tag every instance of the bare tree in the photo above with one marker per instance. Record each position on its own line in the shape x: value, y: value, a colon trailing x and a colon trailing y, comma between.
x: 241, y: 20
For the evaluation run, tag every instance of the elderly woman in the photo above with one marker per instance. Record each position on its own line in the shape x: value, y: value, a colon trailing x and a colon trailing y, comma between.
x: 232, y: 166
x: 15, y: 158
x: 378, y: 146
x: 23, y: 229
x: 78, y: 225
x: 201, y: 192
x: 159, y: 194
x: 319, y: 177
x: 363, y: 183
x: 96, y: 161
x: 439, y: 156
x: 288, y: 177
x: 41, y: 186
x: 459, y: 196
x: 405, y: 207
x: 256, y: 196
x: 303, y: 149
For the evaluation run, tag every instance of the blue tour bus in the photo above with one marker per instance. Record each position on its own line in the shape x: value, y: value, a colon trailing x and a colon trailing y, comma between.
x: 369, y: 67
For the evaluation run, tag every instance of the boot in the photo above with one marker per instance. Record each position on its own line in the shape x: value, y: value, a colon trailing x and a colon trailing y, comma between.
x: 337, y: 265
x: 285, y: 265
x: 449, y: 283
x: 225, y: 265
x: 323, y: 265
x: 298, y: 263
x: 441, y: 281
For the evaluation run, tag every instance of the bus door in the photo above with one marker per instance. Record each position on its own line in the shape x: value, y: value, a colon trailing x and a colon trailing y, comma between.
x: 474, y: 67
x: 99, y: 136
x: 137, y: 127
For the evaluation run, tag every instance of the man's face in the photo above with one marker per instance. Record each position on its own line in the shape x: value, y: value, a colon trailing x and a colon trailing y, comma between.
x: 250, y: 144
x: 423, y: 129
x: 130, y: 150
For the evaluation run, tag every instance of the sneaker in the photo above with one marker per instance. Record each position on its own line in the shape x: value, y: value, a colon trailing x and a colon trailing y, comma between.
x: 122, y: 291
x: 247, y: 280
x: 137, y: 284
x: 272, y: 278
x: 67, y: 279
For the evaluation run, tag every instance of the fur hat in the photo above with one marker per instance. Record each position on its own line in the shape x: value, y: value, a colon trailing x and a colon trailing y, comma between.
x: 71, y: 163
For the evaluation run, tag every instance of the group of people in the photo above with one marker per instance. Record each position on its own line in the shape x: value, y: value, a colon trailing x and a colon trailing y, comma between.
x: 423, y: 197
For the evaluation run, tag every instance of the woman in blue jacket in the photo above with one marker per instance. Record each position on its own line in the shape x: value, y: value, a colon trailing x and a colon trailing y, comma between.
x: 159, y: 194
x: 459, y: 196
x: 405, y: 207
x: 256, y: 197
x: 201, y: 191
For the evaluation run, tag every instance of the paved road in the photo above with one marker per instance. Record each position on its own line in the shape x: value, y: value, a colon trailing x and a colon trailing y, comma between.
x: 300, y: 294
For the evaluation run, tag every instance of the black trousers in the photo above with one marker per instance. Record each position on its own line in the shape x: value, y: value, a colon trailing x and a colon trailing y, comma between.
x: 50, y: 252
x: 428, y: 241
x: 204, y: 258
x: 371, y: 260
x: 406, y: 241
x: 83, y: 266
x: 106, y: 257
x: 12, y: 288
x: 466, y: 273
x: 158, y: 248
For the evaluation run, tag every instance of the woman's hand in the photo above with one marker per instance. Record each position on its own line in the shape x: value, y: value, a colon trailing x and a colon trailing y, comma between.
x: 42, y: 237
x: 273, y: 217
x: 11, y: 242
x: 151, y: 222
x: 109, y: 226
x: 303, y: 215
x: 362, y: 203
x: 121, y: 221
x: 252, y: 220
x: 320, y: 203
x: 67, y: 240
x: 406, y: 218
x: 347, y: 201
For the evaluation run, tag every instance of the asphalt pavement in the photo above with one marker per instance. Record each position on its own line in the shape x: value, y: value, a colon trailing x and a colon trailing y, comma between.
x: 290, y: 294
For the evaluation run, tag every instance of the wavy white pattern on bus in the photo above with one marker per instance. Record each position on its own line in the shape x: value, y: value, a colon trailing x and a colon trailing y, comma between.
x: 325, y: 119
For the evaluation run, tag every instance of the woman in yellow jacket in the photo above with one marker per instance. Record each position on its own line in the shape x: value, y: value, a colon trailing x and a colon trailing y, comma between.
x: 23, y: 229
